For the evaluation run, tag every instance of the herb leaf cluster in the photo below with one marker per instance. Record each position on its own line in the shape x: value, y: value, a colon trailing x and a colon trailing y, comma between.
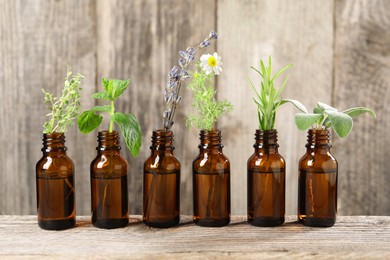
x: 63, y: 109
x: 268, y: 97
x: 209, y: 109
x: 326, y: 116
x: 176, y: 78
x: 91, y: 119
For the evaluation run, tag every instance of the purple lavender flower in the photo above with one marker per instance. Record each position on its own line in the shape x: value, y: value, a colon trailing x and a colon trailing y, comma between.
x: 213, y: 35
x: 177, y: 76
x: 204, y: 44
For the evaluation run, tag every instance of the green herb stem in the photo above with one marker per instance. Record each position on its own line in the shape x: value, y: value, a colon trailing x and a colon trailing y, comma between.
x: 112, y: 112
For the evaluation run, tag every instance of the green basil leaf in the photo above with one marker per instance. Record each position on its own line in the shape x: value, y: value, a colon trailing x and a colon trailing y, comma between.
x: 105, y: 84
x: 296, y: 103
x: 101, y: 108
x: 131, y: 131
x: 117, y: 87
x: 101, y: 95
x: 357, y: 111
x: 305, y: 121
x: 89, y: 121
x: 342, y: 123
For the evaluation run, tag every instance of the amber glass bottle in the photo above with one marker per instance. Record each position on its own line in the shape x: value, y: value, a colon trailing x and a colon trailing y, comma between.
x: 55, y: 187
x: 266, y: 181
x: 109, y: 198
x: 161, y: 183
x: 317, y: 189
x: 211, y: 182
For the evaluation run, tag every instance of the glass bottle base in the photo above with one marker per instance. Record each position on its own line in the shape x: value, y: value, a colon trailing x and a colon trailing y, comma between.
x: 57, y: 224
x: 266, y: 221
x: 163, y: 224
x: 212, y: 222
x: 110, y: 223
x: 318, y: 222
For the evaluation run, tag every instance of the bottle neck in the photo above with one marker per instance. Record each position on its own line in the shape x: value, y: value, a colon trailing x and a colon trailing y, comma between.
x: 108, y: 142
x: 210, y: 140
x: 318, y: 139
x: 54, y: 143
x: 162, y: 141
x: 266, y: 141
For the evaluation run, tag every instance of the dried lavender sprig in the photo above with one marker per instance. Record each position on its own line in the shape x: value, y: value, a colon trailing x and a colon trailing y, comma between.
x: 177, y: 76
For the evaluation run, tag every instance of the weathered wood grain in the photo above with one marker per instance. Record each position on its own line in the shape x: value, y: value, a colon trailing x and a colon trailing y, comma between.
x: 362, y: 65
x: 358, y: 237
x: 340, y: 51
x: 299, y: 32
x: 141, y: 41
x: 37, y: 40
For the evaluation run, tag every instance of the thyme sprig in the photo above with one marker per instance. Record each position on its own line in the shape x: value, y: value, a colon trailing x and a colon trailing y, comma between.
x: 63, y: 109
x: 177, y: 76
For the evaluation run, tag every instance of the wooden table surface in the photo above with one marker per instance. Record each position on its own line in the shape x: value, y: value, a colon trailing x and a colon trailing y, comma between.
x: 357, y: 237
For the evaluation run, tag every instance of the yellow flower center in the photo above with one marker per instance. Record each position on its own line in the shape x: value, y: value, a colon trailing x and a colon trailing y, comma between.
x: 212, y: 61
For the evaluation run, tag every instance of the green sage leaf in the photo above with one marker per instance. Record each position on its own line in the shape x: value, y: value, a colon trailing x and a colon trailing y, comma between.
x: 357, y: 111
x: 305, y: 121
x: 131, y: 131
x: 321, y: 107
x: 89, y: 121
x: 296, y: 103
x: 342, y: 123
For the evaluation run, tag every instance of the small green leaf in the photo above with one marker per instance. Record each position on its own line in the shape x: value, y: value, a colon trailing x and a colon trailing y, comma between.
x: 296, y: 103
x: 101, y: 95
x: 105, y: 84
x: 305, y: 121
x: 281, y: 71
x: 118, y: 87
x: 357, y: 111
x: 342, y: 123
x: 106, y: 108
x: 131, y: 131
x: 89, y: 121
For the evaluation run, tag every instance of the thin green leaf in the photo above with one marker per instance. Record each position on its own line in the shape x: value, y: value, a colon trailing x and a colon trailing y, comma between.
x: 258, y: 71
x: 296, y: 103
x: 305, y: 121
x: 342, y: 123
x: 281, y: 71
x: 254, y: 89
x: 131, y: 131
x: 89, y: 121
x: 357, y: 111
x: 281, y: 88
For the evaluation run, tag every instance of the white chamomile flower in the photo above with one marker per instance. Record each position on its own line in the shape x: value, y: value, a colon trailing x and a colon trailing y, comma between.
x: 210, y: 63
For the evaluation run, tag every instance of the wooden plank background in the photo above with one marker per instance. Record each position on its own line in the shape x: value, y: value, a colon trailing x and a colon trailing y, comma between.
x: 339, y: 48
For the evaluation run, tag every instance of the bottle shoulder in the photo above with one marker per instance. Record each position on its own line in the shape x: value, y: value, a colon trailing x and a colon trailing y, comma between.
x: 324, y: 161
x: 60, y: 165
x: 266, y: 162
x: 162, y: 163
x: 211, y: 162
x: 114, y: 165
